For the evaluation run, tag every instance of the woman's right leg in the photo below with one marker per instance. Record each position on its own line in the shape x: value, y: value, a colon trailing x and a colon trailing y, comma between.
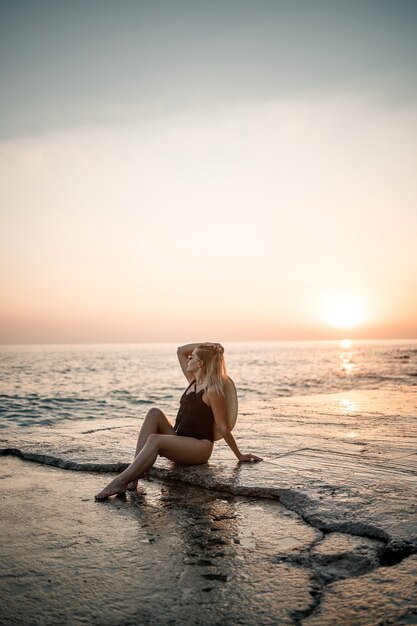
x: 157, y: 423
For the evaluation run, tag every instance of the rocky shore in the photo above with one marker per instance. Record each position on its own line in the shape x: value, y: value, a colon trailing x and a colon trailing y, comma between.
x: 324, y: 531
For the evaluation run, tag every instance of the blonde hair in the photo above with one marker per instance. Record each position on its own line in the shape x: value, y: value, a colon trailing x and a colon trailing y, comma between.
x: 213, y: 359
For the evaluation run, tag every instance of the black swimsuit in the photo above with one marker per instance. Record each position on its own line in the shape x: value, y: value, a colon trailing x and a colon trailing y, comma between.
x: 195, y: 418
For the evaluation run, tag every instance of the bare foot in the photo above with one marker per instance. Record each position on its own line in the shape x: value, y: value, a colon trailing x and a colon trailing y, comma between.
x: 132, y: 486
x: 112, y: 489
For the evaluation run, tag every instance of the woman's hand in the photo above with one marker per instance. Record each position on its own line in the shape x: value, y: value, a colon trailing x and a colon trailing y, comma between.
x: 249, y: 458
x: 214, y: 346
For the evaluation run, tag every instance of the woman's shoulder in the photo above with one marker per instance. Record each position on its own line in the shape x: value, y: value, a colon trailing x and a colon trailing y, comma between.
x: 214, y: 392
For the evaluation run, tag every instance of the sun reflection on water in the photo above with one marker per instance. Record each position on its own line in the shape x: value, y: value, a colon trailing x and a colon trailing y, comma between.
x: 352, y: 435
x: 347, y: 406
x: 347, y: 365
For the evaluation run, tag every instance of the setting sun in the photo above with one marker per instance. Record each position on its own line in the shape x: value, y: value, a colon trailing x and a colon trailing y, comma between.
x: 344, y: 311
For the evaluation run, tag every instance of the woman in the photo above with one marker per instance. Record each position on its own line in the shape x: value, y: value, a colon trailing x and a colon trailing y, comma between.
x: 190, y: 441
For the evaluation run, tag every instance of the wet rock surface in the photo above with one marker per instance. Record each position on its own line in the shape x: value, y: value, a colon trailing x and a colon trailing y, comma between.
x: 170, y: 554
x: 323, y: 531
x: 386, y: 596
x: 344, y: 556
x: 176, y: 554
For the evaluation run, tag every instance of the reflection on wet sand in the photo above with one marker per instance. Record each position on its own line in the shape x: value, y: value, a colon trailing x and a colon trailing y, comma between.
x: 207, y: 531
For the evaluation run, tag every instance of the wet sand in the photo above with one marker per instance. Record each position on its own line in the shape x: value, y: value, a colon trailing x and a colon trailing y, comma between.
x: 324, y: 531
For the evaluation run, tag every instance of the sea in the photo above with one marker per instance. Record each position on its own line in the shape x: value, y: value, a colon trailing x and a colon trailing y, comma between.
x: 50, y: 384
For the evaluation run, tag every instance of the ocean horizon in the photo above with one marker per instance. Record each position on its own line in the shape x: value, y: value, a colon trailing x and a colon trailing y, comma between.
x: 45, y: 384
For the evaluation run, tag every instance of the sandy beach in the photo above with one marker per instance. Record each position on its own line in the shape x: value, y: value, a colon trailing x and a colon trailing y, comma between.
x: 324, y: 531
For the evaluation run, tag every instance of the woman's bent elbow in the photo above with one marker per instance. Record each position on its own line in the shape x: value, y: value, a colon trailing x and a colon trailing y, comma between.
x: 224, y: 431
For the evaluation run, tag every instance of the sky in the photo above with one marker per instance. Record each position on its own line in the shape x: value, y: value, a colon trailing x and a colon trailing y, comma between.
x: 191, y: 170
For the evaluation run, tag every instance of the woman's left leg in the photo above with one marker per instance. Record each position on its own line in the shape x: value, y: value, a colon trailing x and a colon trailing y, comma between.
x: 181, y: 450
